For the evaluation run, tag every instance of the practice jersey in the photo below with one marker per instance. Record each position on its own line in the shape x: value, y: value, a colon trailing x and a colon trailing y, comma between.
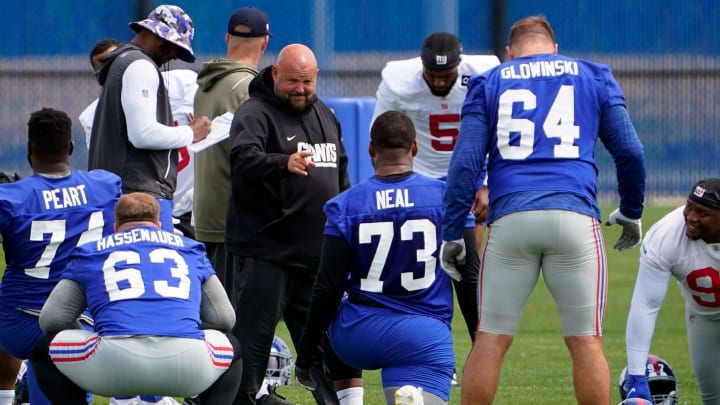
x: 694, y: 263
x: 42, y: 219
x: 544, y: 113
x: 436, y: 119
x: 181, y: 85
x: 393, y: 229
x: 142, y: 281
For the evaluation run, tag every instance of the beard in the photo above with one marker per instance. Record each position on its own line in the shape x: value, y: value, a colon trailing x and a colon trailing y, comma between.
x: 439, y: 92
x: 296, y: 103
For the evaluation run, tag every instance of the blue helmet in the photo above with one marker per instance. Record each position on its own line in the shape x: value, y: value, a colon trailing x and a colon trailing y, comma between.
x: 661, y: 378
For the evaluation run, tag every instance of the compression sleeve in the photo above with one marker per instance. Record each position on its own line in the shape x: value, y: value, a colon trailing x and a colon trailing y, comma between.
x: 63, y: 307
x: 335, y: 263
x: 216, y: 311
x: 466, y: 168
x: 621, y: 140
x: 140, y: 84
x: 650, y: 290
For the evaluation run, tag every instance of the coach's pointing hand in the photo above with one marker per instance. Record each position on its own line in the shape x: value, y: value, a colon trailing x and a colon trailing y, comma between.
x: 299, y: 161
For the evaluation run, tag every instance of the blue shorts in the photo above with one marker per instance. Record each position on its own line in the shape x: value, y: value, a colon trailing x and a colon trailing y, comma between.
x: 18, y: 331
x: 410, y: 349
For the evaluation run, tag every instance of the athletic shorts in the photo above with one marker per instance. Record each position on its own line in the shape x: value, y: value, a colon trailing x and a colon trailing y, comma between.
x: 410, y: 349
x: 141, y: 365
x: 567, y: 247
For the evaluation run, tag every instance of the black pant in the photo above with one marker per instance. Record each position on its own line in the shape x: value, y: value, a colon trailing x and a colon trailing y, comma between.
x: 263, y: 293
x: 466, y: 290
x: 218, y: 258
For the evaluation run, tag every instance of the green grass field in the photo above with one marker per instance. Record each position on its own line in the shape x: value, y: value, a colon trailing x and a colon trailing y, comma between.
x: 537, y: 369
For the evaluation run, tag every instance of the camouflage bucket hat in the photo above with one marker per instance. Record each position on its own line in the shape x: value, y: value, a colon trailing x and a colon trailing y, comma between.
x: 172, y: 24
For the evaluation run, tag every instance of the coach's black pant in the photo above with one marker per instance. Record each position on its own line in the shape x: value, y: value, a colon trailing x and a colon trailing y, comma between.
x: 263, y: 293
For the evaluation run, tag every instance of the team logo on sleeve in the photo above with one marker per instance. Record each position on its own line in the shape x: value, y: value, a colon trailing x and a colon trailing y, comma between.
x: 324, y: 154
x: 464, y: 79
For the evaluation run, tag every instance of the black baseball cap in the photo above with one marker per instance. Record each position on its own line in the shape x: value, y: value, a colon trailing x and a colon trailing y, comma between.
x: 254, y: 18
x: 441, y: 51
x: 707, y: 193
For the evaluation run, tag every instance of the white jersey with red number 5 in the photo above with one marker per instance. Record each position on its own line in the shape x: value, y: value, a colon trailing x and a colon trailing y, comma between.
x: 181, y: 85
x: 436, y: 119
x: 694, y: 263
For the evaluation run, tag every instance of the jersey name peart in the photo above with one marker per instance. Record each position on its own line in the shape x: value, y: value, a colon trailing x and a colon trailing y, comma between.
x: 65, y: 197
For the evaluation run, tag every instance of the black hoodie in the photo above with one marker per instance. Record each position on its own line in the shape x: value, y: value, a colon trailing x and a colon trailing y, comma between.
x: 275, y: 215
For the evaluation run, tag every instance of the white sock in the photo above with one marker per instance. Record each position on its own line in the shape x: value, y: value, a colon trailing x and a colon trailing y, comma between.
x: 263, y: 391
x: 7, y: 397
x: 351, y: 396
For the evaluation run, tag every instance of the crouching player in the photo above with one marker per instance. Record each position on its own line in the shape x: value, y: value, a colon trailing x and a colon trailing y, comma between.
x: 161, y: 317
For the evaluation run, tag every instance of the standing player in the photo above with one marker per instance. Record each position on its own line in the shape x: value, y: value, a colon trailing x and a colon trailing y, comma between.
x: 538, y: 117
x: 132, y: 132
x: 161, y: 317
x: 42, y: 218
x: 684, y: 244
x: 430, y: 89
x: 380, y: 245
x: 181, y: 85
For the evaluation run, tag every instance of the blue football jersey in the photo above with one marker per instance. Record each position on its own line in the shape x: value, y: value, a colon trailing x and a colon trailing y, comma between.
x: 393, y: 228
x: 544, y: 112
x: 142, y: 281
x: 41, y: 220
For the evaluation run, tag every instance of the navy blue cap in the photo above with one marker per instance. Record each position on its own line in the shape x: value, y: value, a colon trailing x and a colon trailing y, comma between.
x: 254, y: 18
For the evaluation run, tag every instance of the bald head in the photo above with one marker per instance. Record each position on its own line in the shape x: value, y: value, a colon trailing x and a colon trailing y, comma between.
x: 295, y: 76
x: 136, y: 209
x: 298, y: 55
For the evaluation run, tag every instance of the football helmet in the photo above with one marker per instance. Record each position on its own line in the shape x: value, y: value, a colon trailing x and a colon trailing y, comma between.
x: 279, y: 364
x: 661, y: 379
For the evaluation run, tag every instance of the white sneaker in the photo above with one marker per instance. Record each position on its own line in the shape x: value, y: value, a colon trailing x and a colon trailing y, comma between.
x: 409, y: 395
x: 454, y: 380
